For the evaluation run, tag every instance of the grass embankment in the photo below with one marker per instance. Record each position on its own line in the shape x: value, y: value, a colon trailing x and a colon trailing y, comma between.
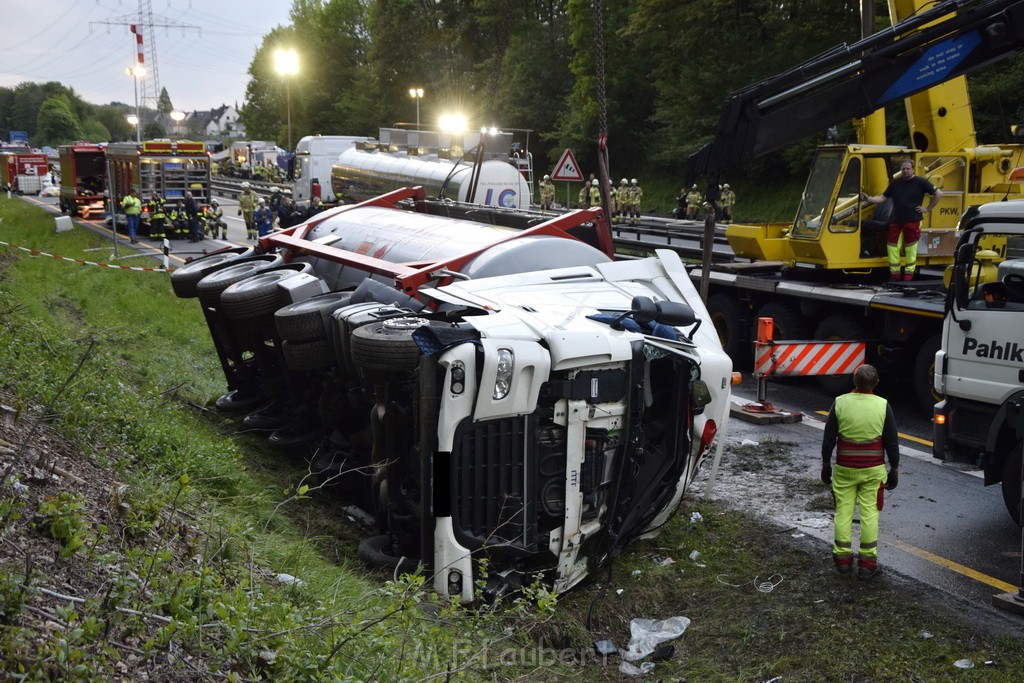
x: 156, y: 552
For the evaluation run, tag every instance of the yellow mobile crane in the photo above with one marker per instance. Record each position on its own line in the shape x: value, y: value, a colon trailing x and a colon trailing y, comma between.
x: 820, y: 276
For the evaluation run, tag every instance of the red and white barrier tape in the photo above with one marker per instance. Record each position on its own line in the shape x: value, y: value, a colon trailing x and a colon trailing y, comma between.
x: 36, y: 252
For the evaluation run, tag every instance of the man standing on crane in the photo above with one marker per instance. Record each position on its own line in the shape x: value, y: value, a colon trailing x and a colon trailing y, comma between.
x: 907, y: 193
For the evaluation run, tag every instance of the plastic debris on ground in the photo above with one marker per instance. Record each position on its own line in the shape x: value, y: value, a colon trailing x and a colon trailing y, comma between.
x: 618, y: 591
x: 605, y: 648
x: 963, y: 664
x: 925, y: 635
x: 749, y: 442
x: 695, y: 517
x: 289, y: 579
x: 662, y: 561
x: 632, y: 670
x: 648, y: 634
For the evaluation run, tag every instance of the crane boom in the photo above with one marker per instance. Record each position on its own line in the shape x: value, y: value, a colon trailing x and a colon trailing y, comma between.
x: 952, y: 39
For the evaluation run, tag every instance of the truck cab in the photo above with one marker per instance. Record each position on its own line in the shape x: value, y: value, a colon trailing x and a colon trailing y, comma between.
x: 980, y: 365
x: 505, y: 402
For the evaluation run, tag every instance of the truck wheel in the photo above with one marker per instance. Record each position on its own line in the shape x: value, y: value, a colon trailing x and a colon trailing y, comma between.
x: 377, y: 552
x: 304, y: 321
x: 314, y: 354
x: 387, y: 345
x: 789, y: 324
x: 924, y: 369
x: 839, y: 328
x: 209, y: 288
x: 725, y: 316
x: 185, y: 279
x: 258, y: 294
x: 1011, y: 483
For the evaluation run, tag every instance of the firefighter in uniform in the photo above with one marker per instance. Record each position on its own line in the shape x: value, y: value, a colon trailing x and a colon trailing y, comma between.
x: 275, y: 201
x: 215, y: 221
x: 636, y: 196
x: 247, y: 209
x: 179, y: 221
x: 584, y: 197
x: 157, y: 217
x: 622, y: 195
x: 861, y: 429
x: 595, y: 193
x: 727, y: 200
x: 547, y: 193
x: 693, y: 201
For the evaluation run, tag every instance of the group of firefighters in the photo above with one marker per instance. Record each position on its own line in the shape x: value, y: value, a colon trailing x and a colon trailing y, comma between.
x: 692, y: 203
x: 183, y: 220
x: 191, y: 220
x: 623, y: 201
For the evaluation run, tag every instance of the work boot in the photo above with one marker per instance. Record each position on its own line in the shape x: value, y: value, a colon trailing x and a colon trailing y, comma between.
x: 893, y: 277
x: 907, y: 277
x: 867, y: 569
x: 844, y: 564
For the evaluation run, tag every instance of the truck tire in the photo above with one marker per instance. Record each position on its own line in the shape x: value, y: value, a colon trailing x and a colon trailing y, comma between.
x: 313, y: 354
x: 839, y: 328
x: 924, y: 369
x: 209, y: 288
x: 185, y: 279
x: 304, y: 321
x: 789, y: 324
x: 725, y: 316
x: 1011, y: 482
x: 258, y: 295
x: 377, y: 552
x: 387, y: 345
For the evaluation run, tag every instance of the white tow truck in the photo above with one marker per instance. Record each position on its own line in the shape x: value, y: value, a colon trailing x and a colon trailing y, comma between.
x: 980, y: 365
x: 485, y: 384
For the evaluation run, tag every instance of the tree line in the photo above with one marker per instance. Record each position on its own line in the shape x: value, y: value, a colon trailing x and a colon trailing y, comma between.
x: 530, y: 64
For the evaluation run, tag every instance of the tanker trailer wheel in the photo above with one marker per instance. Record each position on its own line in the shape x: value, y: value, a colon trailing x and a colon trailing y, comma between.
x: 185, y: 279
x: 1011, y: 482
x: 209, y: 288
x: 304, y: 321
x: 839, y: 328
x: 924, y: 370
x: 725, y: 316
x: 387, y: 345
x: 312, y: 354
x: 378, y: 552
x: 258, y: 294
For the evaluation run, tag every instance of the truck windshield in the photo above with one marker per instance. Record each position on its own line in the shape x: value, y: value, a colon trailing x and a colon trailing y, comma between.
x: 817, y: 194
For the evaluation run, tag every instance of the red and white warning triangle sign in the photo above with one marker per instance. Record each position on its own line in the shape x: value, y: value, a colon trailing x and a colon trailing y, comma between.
x: 567, y: 168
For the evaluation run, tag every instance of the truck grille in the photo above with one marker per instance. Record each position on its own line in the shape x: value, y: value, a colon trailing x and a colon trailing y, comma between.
x: 494, y: 483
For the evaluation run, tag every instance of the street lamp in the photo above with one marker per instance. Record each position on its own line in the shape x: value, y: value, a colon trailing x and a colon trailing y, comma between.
x: 286, y: 63
x: 417, y: 94
x: 136, y: 72
x: 177, y: 116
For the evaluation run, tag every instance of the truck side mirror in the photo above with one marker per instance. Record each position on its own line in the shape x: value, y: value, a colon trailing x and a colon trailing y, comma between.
x: 671, y: 313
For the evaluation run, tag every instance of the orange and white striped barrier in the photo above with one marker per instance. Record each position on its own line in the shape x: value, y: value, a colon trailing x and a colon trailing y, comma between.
x: 807, y: 358
x: 83, y: 262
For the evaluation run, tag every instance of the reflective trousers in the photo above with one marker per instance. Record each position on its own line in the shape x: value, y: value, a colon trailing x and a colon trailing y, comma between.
x: 905, y: 235
x: 862, y: 487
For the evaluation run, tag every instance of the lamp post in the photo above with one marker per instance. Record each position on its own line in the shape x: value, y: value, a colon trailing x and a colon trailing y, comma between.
x: 136, y: 72
x: 286, y: 63
x: 417, y: 94
x: 177, y: 116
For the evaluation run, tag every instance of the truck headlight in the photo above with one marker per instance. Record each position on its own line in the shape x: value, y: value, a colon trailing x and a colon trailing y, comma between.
x: 458, y: 377
x: 700, y: 395
x: 503, y: 375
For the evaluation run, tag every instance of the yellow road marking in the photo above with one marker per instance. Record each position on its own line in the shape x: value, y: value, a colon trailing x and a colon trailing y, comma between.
x: 954, y: 566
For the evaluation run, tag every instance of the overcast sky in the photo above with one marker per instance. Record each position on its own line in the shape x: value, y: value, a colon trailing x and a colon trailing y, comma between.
x: 203, y: 47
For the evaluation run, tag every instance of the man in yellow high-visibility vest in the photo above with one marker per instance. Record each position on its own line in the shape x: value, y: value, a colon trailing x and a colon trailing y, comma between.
x: 861, y: 429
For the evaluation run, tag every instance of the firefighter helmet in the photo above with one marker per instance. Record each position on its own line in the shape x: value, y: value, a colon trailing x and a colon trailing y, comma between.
x: 633, y: 181
x: 262, y: 200
x: 694, y: 186
x: 214, y: 202
x: 726, y: 186
x: 594, y: 182
x: 246, y: 185
x: 623, y: 181
x: 547, y: 177
x: 275, y: 189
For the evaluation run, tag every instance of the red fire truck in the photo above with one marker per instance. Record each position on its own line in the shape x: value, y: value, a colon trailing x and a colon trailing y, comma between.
x: 83, y: 178
x: 23, y: 173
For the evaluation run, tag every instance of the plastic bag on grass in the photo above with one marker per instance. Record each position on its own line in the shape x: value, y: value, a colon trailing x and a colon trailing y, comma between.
x: 647, y: 634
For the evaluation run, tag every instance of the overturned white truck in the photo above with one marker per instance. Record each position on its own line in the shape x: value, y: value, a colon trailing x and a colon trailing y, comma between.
x: 485, y: 383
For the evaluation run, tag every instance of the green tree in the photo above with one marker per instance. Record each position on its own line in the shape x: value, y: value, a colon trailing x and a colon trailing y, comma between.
x: 113, y: 118
x: 57, y: 123
x: 94, y: 130
x: 163, y: 104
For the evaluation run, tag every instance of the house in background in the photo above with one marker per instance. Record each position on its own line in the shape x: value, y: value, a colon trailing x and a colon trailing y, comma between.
x: 222, y: 122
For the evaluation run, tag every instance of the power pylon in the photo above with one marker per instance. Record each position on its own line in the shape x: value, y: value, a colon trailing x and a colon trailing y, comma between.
x: 146, y: 23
